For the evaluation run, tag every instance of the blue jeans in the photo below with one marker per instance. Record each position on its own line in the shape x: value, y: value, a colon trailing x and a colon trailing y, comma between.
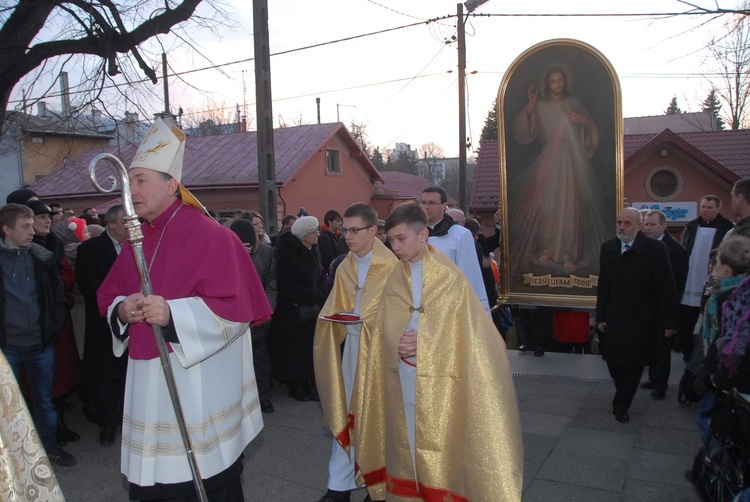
x: 39, y: 366
x: 705, y: 410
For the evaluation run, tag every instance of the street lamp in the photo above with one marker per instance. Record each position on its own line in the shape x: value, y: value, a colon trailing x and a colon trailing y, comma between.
x: 337, y: 109
x: 473, y: 4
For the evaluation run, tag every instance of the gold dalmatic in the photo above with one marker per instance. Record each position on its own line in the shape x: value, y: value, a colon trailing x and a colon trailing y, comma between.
x: 342, y: 420
x: 467, y: 432
x: 25, y: 471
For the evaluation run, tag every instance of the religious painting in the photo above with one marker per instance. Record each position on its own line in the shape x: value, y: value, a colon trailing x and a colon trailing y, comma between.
x: 560, y: 154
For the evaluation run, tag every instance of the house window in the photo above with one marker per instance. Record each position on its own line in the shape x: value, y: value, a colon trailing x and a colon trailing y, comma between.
x: 333, y: 161
x: 664, y: 183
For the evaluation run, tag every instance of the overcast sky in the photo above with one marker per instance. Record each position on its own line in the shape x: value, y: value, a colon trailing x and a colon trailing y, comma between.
x: 403, y: 84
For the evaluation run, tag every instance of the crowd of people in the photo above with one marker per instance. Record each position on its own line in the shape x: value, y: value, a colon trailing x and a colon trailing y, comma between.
x: 693, y: 298
x: 382, y: 321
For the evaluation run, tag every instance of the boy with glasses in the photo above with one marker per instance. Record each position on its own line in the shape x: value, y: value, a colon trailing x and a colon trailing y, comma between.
x: 340, y: 376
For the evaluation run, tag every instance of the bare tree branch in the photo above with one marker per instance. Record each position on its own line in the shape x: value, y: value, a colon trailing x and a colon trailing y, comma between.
x: 104, y: 34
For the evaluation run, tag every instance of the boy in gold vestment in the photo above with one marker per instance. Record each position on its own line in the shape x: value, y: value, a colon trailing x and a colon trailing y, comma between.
x: 438, y: 386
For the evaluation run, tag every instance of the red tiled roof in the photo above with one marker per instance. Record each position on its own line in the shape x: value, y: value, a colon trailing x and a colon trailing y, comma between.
x: 211, y: 161
x: 485, y: 193
x: 400, y: 185
x: 731, y: 149
x: 728, y: 151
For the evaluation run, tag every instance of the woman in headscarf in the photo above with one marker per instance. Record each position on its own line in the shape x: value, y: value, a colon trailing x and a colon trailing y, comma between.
x: 265, y: 266
x: 301, y: 286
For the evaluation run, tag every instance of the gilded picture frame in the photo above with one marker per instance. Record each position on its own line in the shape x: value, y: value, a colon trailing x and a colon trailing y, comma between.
x: 560, y: 146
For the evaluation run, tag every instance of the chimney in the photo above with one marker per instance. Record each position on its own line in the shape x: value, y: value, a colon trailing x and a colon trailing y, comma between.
x: 65, y: 94
x: 95, y: 112
x: 41, y: 109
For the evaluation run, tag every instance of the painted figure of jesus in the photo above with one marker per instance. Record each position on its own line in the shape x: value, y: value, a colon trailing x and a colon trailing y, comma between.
x: 556, y: 185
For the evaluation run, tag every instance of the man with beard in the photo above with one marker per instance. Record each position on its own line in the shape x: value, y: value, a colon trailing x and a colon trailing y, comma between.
x: 636, y: 298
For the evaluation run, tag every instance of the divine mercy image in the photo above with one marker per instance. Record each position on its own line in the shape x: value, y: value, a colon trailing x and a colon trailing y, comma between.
x: 560, y: 168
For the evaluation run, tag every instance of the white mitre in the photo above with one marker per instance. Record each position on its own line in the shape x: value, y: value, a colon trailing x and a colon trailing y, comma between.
x: 163, y: 149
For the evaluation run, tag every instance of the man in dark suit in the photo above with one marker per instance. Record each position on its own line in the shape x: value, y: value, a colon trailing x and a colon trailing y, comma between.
x: 105, y: 371
x: 636, y: 299
x: 655, y: 226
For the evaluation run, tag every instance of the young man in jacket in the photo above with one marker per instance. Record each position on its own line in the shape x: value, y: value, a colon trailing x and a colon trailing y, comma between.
x: 33, y: 313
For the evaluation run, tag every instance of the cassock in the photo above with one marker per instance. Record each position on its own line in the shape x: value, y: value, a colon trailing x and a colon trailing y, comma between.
x: 457, y: 243
x: 340, y: 378
x: 194, y: 264
x: 466, y: 430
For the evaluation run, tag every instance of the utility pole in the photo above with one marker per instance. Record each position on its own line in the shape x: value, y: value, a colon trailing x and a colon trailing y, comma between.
x: 264, y: 112
x: 462, y: 139
x: 317, y: 102
x: 166, y: 115
x: 166, y: 83
x: 461, y: 107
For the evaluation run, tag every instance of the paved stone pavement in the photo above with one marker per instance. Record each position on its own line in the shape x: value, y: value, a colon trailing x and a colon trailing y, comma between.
x: 573, y: 447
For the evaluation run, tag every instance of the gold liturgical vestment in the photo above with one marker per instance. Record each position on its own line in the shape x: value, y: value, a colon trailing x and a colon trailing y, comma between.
x: 467, y: 433
x: 25, y: 471
x: 341, y: 419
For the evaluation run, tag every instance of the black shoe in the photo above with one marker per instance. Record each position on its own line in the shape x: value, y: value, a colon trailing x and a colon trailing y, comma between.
x: 266, y: 407
x: 64, y: 434
x: 523, y: 348
x: 658, y: 395
x: 689, y: 476
x: 60, y: 457
x: 335, y: 496
x: 368, y: 499
x: 312, y: 392
x: 298, y: 392
x: 90, y: 412
x: 647, y: 385
x: 106, y: 436
x: 538, y: 352
x: 621, y: 416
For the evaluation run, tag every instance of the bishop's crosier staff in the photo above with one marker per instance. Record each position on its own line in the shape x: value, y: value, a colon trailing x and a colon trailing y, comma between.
x: 135, y: 236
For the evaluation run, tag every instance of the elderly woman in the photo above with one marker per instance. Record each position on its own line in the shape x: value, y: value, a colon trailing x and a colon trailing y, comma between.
x: 301, y: 291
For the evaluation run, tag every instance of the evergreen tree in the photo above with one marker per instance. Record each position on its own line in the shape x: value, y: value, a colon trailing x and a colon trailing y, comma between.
x: 489, y: 131
x: 713, y: 106
x: 376, y: 157
x: 673, y: 109
x: 406, y: 164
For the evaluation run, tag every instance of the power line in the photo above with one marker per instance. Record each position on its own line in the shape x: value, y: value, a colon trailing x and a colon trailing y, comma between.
x: 394, y: 10
x: 378, y: 32
x: 280, y: 53
x: 597, y: 14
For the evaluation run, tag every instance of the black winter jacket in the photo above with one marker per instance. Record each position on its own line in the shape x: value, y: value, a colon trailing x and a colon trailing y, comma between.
x: 50, y: 293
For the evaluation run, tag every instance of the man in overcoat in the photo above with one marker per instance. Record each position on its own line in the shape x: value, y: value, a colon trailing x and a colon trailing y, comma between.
x: 655, y: 226
x: 102, y: 368
x: 636, y: 298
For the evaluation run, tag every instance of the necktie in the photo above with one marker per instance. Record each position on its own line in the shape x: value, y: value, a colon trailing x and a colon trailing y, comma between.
x: 627, y: 248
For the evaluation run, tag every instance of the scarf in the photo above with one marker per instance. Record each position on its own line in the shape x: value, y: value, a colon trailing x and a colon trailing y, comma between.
x: 328, y: 229
x: 711, y: 313
x: 732, y: 347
